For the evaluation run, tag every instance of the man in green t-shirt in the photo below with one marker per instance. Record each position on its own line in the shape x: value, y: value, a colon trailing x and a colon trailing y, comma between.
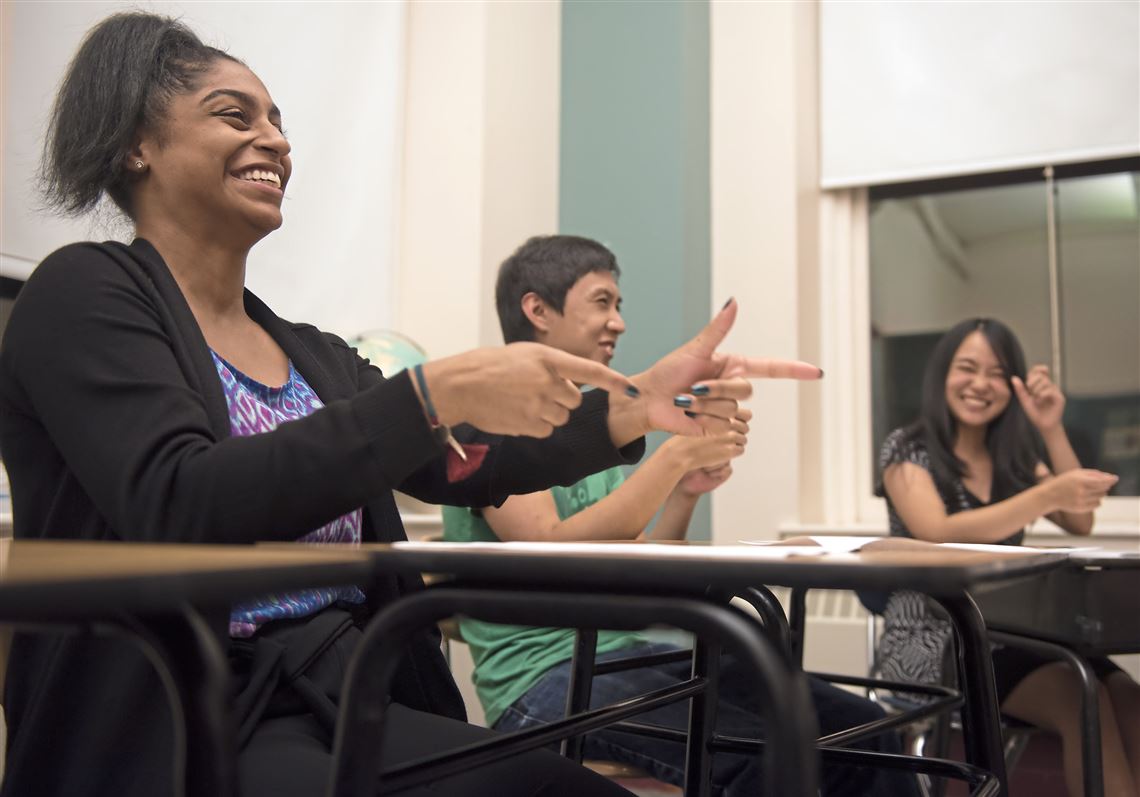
x: 562, y: 291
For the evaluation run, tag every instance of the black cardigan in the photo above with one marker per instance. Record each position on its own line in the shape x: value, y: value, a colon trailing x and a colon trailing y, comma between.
x: 113, y: 426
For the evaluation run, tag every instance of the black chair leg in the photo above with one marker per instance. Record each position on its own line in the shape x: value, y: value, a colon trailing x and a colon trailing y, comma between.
x: 797, y: 619
x: 581, y: 682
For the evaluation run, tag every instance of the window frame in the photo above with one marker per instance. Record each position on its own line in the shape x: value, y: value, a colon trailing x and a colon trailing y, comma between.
x: 845, y: 327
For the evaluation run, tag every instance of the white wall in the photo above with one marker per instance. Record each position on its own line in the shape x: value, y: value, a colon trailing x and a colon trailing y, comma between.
x: 481, y: 161
x: 336, y: 71
x: 763, y: 66
x: 480, y: 175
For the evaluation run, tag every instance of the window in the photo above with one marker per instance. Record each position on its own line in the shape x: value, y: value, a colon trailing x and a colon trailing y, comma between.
x: 1056, y: 257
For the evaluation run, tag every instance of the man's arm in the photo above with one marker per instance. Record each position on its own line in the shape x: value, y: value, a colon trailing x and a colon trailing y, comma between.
x: 678, y: 510
x: 624, y: 513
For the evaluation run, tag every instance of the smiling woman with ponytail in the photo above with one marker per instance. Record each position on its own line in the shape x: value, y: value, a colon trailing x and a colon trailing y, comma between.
x: 146, y: 395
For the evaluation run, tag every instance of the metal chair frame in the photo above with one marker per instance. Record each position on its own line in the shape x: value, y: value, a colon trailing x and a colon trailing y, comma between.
x: 787, y: 638
x: 785, y: 697
x: 931, y: 729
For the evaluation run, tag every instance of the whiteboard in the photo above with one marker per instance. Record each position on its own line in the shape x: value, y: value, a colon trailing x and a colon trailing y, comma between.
x: 917, y: 90
x: 336, y: 72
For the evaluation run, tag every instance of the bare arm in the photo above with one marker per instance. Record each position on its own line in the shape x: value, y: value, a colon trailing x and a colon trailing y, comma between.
x: 1044, y: 405
x: 678, y: 510
x: 914, y: 496
x: 673, y: 524
x: 624, y: 513
x: 1064, y: 459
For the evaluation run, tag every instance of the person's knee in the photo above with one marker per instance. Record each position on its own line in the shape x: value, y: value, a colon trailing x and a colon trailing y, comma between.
x: 1106, y: 704
x: 856, y: 707
x: 873, y: 711
x: 1063, y: 709
x: 1050, y: 697
x: 1125, y: 696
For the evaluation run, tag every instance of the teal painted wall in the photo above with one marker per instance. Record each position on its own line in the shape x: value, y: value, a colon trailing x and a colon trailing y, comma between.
x: 634, y: 165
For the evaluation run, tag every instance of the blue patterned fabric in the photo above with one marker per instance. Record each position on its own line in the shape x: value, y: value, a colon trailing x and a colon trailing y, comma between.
x: 254, y: 409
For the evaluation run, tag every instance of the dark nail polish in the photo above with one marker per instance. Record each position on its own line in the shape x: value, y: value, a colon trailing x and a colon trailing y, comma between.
x: 821, y: 373
x: 632, y: 391
x: 699, y: 390
x: 682, y: 401
x: 726, y: 304
x: 691, y: 414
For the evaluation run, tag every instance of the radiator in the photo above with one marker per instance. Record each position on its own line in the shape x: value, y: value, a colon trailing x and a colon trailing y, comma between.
x: 835, y: 631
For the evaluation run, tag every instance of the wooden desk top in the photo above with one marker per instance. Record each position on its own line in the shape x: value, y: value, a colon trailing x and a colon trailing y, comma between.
x: 42, y: 579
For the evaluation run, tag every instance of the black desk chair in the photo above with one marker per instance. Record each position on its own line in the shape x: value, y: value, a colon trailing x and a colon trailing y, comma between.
x: 932, y: 736
x: 786, y: 637
x: 585, y: 643
x: 929, y: 734
x: 360, y: 723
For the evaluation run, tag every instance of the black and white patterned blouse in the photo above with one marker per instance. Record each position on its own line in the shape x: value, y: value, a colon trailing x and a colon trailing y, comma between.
x: 914, y: 637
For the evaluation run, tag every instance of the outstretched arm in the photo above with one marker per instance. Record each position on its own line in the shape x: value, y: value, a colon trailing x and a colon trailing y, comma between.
x: 706, y: 381
x: 914, y: 496
x: 518, y: 389
x: 673, y: 524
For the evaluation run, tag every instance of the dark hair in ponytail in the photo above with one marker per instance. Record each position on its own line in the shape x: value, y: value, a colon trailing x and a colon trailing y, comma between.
x: 1013, y: 442
x: 121, y: 80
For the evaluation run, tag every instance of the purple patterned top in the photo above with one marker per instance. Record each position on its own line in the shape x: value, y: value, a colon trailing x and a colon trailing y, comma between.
x: 255, y: 408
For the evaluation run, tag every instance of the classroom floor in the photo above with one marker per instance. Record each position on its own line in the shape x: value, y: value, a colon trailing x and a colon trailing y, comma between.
x: 650, y: 788
x: 1037, y: 774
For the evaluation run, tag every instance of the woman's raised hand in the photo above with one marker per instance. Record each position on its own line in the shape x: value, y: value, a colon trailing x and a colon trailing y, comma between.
x: 1042, y: 400
x: 705, y: 382
x: 519, y: 389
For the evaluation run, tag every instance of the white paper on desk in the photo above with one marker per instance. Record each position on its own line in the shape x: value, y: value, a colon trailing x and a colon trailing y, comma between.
x: 829, y: 544
x: 844, y: 544
x: 1101, y: 553
x: 988, y: 548
x: 650, y: 550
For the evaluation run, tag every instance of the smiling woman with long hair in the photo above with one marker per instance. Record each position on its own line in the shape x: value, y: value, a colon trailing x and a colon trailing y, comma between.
x: 987, y: 457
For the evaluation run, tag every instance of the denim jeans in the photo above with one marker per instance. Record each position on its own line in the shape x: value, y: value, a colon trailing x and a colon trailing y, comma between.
x: 738, y: 713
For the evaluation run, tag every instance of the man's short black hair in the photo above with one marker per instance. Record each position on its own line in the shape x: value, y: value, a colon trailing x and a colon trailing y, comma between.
x: 548, y: 265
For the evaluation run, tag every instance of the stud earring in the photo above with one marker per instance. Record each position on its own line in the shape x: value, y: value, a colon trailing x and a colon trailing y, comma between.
x: 139, y: 164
